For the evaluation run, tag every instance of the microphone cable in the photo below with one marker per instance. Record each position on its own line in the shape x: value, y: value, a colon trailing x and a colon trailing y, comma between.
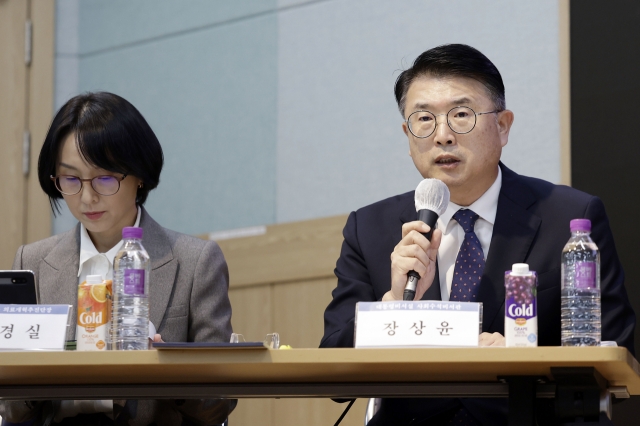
x: 344, y: 413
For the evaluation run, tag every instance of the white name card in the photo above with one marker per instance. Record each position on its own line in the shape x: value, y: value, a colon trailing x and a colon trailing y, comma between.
x: 425, y: 323
x: 24, y: 327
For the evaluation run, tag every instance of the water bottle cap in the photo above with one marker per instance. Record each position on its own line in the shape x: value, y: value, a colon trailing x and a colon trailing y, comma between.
x: 131, y: 232
x: 580, y: 225
x: 94, y: 279
x: 520, y: 269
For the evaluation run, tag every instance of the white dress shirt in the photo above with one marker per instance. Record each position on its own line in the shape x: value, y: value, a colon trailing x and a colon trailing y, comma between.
x: 93, y: 262
x: 453, y: 234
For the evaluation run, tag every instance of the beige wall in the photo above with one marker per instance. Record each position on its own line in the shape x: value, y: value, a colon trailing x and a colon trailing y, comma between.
x: 26, y: 104
x: 282, y: 281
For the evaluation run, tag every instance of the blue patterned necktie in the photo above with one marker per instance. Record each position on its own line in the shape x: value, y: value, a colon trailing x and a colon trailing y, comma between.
x: 470, y: 260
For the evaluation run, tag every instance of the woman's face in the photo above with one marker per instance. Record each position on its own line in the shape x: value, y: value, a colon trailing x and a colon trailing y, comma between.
x: 104, y: 216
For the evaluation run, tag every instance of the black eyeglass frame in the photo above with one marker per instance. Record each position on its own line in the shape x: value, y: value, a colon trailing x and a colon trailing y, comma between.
x: 56, y: 182
x: 475, y: 120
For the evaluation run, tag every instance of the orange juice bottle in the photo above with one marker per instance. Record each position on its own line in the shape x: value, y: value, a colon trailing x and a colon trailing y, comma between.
x: 94, y: 313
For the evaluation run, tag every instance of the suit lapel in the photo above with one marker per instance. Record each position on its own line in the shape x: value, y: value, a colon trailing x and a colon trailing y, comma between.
x: 163, y: 267
x: 409, y: 214
x: 58, y: 276
x: 513, y: 233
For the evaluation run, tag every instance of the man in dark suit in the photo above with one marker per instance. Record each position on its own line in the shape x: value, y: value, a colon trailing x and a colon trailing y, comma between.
x: 456, y: 122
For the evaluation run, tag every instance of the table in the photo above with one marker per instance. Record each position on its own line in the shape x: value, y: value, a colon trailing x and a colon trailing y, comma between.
x: 296, y: 373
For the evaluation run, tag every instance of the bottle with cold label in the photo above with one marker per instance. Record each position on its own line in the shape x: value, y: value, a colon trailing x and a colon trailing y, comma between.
x: 131, y: 269
x: 521, y: 308
x: 580, y: 291
x: 94, y: 314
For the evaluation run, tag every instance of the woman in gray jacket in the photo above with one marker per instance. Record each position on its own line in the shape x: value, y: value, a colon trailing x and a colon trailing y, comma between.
x: 101, y: 157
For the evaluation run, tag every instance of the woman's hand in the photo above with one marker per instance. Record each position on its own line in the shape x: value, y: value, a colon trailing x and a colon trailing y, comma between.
x: 156, y: 339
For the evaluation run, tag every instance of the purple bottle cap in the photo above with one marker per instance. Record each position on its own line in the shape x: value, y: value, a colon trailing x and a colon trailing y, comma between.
x: 580, y: 225
x: 132, y: 232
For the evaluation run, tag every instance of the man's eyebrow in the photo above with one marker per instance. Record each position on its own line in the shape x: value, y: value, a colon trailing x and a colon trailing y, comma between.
x: 68, y: 166
x: 421, y: 105
x: 461, y: 101
x: 455, y: 102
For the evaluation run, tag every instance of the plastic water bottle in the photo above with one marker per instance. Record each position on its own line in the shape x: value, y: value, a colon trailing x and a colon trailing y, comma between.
x: 131, y: 269
x: 580, y: 300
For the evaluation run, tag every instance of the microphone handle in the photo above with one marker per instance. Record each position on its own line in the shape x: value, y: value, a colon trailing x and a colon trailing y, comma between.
x: 430, y: 218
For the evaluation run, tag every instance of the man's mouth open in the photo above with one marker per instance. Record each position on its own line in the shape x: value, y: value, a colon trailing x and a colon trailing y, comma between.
x: 447, y: 162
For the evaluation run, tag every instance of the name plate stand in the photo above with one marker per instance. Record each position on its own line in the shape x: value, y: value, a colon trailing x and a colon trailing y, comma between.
x: 33, y: 327
x: 424, y: 323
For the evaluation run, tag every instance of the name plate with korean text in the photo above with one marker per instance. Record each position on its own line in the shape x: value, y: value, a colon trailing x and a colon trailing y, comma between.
x: 33, y: 327
x: 424, y: 323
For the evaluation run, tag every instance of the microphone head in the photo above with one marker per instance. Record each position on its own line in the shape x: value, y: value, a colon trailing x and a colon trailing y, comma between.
x: 432, y: 194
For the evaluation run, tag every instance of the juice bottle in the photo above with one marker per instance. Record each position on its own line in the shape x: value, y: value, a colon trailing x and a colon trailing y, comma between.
x: 94, y: 313
x: 521, y: 308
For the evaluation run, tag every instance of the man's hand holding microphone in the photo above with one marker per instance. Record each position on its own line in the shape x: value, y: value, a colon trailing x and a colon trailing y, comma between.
x: 416, y: 253
x: 413, y: 261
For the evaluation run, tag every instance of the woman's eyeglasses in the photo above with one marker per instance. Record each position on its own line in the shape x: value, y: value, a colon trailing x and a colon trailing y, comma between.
x: 103, y: 185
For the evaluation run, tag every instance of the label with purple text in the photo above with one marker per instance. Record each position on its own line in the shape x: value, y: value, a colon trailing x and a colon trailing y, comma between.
x: 585, y: 275
x: 134, y: 281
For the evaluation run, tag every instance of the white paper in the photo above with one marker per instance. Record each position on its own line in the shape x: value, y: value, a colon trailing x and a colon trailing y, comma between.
x: 24, y: 327
x: 417, y: 324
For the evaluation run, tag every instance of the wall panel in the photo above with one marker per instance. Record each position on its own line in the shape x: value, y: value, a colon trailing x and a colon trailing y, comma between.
x: 209, y: 95
x: 41, y: 81
x: 252, y: 310
x: 315, y: 79
x: 111, y: 25
x: 282, y: 281
x: 299, y: 309
x: 26, y: 100
x: 340, y: 143
x: 13, y: 109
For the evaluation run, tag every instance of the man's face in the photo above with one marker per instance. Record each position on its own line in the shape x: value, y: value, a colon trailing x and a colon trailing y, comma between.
x: 466, y: 163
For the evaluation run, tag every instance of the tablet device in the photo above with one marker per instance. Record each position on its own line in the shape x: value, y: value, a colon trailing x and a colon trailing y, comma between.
x: 18, y: 287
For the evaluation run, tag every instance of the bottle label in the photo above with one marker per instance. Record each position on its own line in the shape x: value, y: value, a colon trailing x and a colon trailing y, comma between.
x: 94, y: 315
x: 585, y: 275
x: 134, y: 281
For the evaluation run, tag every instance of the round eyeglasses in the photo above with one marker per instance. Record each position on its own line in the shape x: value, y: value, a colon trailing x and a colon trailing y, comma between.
x: 461, y: 120
x: 103, y: 185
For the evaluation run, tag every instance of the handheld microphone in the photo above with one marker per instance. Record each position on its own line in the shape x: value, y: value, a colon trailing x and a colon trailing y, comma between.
x: 431, y: 199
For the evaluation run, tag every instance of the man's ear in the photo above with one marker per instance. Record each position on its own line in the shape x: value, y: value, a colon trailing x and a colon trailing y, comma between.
x: 505, y: 120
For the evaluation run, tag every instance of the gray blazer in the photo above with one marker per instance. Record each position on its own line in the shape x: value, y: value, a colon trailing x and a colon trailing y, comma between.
x: 189, y: 302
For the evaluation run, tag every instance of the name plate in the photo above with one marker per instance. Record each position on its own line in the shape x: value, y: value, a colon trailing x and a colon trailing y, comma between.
x: 425, y: 323
x: 24, y: 327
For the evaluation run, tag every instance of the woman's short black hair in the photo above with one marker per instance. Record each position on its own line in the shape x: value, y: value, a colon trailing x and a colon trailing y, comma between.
x: 111, y: 134
x: 453, y: 60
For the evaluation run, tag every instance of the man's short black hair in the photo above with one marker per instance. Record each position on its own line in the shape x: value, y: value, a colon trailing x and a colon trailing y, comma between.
x: 111, y: 134
x: 453, y: 60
